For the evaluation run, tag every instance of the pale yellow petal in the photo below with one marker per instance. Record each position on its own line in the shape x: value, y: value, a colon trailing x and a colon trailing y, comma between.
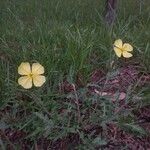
x: 117, y: 51
x: 127, y: 47
x: 118, y: 43
x: 38, y: 80
x: 37, y: 69
x: 25, y: 82
x: 127, y: 54
x: 24, y: 68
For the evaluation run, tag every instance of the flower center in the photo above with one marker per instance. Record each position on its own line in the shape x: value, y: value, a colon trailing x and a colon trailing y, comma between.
x: 122, y: 49
x: 30, y: 75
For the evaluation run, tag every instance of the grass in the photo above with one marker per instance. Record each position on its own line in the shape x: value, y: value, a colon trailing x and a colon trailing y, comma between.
x: 70, y: 39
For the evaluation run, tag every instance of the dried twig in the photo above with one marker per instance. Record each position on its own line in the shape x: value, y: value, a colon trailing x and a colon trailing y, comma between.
x: 110, y: 11
x: 77, y: 103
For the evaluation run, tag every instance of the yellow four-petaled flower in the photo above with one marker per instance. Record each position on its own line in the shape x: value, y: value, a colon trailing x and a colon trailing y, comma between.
x: 123, y: 49
x: 31, y: 75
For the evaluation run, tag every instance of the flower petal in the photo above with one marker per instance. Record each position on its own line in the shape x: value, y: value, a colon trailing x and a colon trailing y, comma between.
x: 127, y: 54
x: 127, y: 47
x: 117, y: 51
x: 37, y: 69
x: 25, y: 82
x: 38, y: 80
x: 24, y: 68
x: 118, y: 43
